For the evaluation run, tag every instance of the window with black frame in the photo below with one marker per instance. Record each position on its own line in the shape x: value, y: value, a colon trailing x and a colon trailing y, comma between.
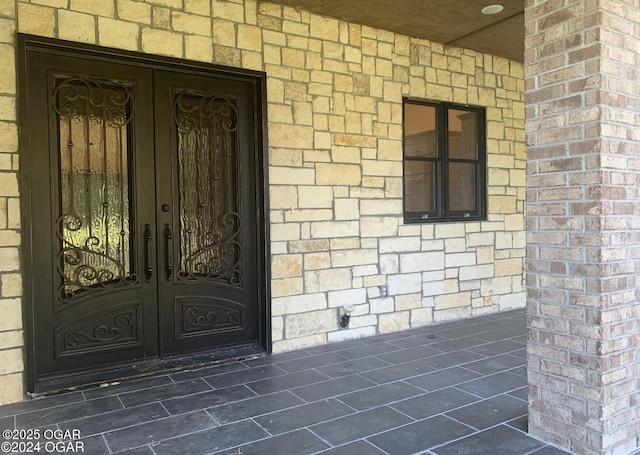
x: 444, y: 162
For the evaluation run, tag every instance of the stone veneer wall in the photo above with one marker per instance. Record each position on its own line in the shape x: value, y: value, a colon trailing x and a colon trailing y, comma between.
x: 335, y: 151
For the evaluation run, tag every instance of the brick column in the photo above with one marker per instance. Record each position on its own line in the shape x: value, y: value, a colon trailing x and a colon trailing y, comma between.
x: 583, y: 208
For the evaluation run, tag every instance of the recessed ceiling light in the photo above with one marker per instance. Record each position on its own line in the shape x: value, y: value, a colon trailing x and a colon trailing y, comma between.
x: 492, y: 9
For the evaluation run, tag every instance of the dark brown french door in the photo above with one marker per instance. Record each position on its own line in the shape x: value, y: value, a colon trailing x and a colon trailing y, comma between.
x: 143, y: 214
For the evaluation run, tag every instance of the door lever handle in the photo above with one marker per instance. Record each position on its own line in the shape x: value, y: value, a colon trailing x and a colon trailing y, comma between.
x: 148, y: 270
x: 169, y: 251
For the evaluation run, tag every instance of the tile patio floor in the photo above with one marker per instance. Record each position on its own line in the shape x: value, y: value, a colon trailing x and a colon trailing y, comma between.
x: 455, y: 388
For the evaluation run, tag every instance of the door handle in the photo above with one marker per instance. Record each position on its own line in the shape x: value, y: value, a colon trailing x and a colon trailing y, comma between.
x: 148, y: 270
x: 169, y: 251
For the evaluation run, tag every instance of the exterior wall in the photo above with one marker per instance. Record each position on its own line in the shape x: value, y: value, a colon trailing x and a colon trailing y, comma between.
x: 335, y: 151
x: 583, y: 223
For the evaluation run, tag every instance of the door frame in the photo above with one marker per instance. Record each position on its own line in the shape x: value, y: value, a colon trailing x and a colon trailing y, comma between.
x: 257, y: 79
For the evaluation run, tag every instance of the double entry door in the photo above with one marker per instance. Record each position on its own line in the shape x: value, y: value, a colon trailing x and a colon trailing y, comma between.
x: 145, y: 239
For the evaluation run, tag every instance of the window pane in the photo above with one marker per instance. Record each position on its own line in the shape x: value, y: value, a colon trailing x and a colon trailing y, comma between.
x: 463, y: 134
x: 94, y: 230
x: 419, y: 186
x: 419, y: 130
x: 462, y: 183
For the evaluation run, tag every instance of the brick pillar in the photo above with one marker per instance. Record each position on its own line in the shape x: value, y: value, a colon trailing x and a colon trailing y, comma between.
x: 582, y: 83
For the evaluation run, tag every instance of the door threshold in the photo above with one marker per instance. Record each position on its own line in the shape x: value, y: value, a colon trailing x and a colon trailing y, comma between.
x: 116, y: 374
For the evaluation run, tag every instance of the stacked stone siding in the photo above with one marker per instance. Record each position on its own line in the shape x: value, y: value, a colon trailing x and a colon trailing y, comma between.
x: 583, y: 94
x: 335, y: 154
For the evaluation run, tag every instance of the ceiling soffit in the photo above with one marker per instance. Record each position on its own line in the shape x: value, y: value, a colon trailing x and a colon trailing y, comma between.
x: 451, y: 22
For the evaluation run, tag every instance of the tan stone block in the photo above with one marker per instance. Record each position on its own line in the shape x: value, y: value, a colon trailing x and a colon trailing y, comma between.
x: 291, y: 176
x: 337, y: 174
x: 308, y: 215
x: 8, y: 108
x: 275, y: 91
x: 317, y: 156
x: 343, y: 83
x: 285, y: 231
x: 76, y: 26
x: 13, y: 213
x: 8, y: 8
x: 224, y: 32
x: 315, y: 196
x: 285, y: 157
x: 350, y: 258
x: 334, y: 229
x: 283, y: 197
x: 177, y: 4
x: 332, y: 279
x: 393, y: 322
x: 408, y: 302
x: 134, y: 11
x: 198, y: 48
x: 201, y: 7
x: 11, y: 285
x: 485, y: 255
x: 355, y: 140
x: 11, y: 388
x: 504, y: 267
x: 381, y: 207
x: 12, y: 339
x: 476, y: 272
x: 190, y: 23
x: 10, y: 259
x: 316, y: 261
x: 379, y: 226
x: 324, y: 28
x: 162, y: 42
x: 302, y: 113
x: 298, y: 325
x: 100, y: 8
x: 295, y: 28
x: 121, y: 34
x: 496, y: 286
x: 10, y: 314
x: 277, y: 328
x: 7, y: 31
x: 8, y: 183
x: 36, y: 20
x: 284, y: 266
x: 514, y: 222
x: 8, y: 143
x: 306, y: 246
x: 293, y: 57
x: 382, y: 168
x: 389, y: 150
x: 249, y: 37
x: 346, y: 209
x: 322, y: 140
x: 422, y: 262
x: 296, y: 91
x: 11, y: 361
x: 228, y: 10
x: 502, y: 204
x: 161, y: 17
x: 462, y: 299
x: 252, y: 60
x: 341, y: 154
x: 227, y: 56
x: 293, y: 136
x: 298, y: 304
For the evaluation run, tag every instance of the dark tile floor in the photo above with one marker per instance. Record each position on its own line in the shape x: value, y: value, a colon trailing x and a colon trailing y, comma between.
x: 455, y: 388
